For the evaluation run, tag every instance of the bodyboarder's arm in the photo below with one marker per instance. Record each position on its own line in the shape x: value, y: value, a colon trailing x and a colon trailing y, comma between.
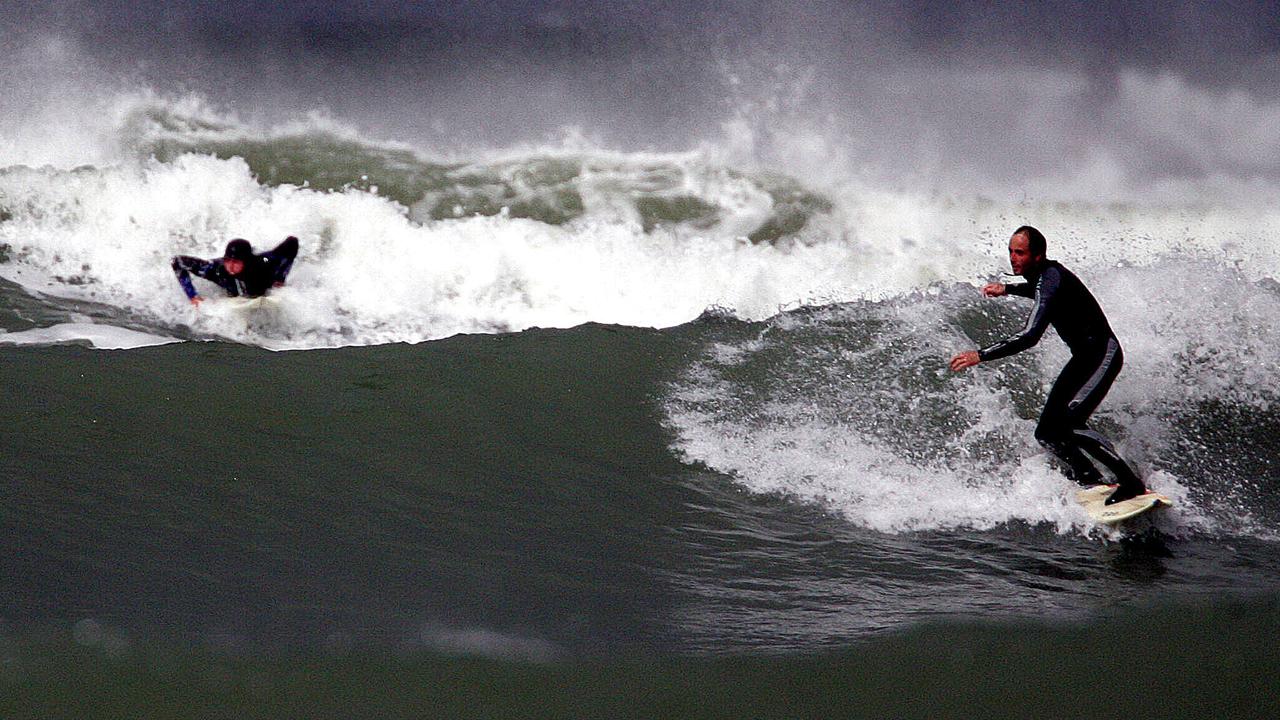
x: 281, y: 258
x: 184, y: 266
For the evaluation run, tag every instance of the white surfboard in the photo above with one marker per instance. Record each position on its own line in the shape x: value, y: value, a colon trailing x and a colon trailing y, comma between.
x: 1093, y: 500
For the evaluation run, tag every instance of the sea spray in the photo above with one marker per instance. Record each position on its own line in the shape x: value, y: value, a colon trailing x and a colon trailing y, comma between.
x: 851, y: 406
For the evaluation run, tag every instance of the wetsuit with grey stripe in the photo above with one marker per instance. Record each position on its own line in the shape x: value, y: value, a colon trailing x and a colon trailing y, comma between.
x: 1062, y: 301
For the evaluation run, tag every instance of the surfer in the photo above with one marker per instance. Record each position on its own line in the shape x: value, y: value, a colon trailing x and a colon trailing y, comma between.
x: 1063, y: 301
x: 239, y: 271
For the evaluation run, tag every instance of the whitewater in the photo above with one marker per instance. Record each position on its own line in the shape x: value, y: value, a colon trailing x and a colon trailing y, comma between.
x: 401, y: 246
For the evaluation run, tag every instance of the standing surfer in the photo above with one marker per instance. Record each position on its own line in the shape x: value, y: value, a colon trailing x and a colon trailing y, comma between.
x: 1063, y: 301
x: 239, y: 271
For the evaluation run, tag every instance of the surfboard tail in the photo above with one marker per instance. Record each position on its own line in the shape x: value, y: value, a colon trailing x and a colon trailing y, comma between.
x: 1093, y: 500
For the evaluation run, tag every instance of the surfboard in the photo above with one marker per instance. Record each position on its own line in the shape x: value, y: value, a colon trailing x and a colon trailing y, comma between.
x: 1093, y: 500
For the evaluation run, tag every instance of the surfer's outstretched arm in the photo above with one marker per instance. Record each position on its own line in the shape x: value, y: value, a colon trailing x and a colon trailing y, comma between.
x: 1043, y: 292
x: 1037, y: 322
x: 1026, y: 290
x: 184, y: 266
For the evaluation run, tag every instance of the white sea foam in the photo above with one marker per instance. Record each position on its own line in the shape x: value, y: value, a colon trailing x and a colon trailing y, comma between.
x: 367, y: 273
x: 484, y: 642
x: 370, y: 273
x: 103, y: 337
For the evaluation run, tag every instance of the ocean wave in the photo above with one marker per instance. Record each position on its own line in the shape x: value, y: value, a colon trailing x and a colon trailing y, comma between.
x: 851, y: 407
x: 403, y: 245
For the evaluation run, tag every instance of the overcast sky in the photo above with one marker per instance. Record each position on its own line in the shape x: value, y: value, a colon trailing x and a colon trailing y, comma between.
x: 1203, y: 38
x: 1168, y: 89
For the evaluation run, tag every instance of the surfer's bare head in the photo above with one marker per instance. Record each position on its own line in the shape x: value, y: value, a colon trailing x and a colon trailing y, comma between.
x: 1026, y: 249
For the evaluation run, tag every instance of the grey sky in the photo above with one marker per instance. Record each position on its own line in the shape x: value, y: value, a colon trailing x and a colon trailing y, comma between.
x: 956, y: 92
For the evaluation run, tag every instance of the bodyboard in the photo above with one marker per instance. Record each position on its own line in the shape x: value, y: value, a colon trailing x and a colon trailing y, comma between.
x: 1093, y: 500
x: 239, y: 307
x: 247, y: 305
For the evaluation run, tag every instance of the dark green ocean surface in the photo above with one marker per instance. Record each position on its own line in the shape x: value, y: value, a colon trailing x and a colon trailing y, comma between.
x: 504, y: 495
x: 1170, y: 662
x: 218, y: 490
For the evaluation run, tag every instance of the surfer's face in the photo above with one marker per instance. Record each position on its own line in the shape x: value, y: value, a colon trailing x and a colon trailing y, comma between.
x: 233, y: 266
x: 1020, y: 255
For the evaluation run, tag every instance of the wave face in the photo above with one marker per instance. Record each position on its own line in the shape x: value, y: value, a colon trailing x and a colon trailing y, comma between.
x: 851, y: 407
x: 596, y: 491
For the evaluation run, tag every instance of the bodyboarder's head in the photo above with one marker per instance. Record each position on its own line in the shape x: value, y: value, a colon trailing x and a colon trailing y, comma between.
x: 234, y: 257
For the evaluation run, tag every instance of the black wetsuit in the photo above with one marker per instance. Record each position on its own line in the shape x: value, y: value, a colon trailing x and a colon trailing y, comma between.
x: 1063, y: 302
x: 260, y: 272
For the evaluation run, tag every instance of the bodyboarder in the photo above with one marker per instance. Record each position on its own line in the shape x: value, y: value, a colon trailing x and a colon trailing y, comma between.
x: 240, y: 272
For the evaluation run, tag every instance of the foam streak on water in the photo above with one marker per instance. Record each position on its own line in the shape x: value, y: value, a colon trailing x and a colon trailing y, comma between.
x: 103, y: 337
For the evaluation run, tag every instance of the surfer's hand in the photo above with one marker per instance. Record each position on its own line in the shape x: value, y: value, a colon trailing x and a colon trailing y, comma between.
x: 197, y: 300
x: 993, y: 289
x: 964, y: 360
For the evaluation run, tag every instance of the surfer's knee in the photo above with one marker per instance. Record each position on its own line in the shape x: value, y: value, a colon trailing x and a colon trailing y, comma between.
x: 1050, y: 433
x: 1056, y: 444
